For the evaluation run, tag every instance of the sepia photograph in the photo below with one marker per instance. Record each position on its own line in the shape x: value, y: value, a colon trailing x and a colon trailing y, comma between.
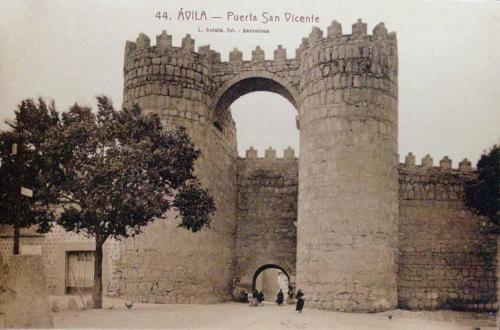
x: 249, y: 164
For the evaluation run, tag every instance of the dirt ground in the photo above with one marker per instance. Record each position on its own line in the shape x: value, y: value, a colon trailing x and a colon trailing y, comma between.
x: 269, y: 316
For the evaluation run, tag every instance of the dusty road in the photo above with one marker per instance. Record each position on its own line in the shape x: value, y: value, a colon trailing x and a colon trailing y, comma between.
x: 242, y: 317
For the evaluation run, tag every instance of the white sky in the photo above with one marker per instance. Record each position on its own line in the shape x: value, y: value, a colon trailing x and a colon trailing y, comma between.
x: 449, y: 61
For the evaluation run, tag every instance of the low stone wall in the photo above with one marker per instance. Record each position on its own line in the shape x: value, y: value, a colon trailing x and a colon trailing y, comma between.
x: 447, y: 255
x: 267, y: 213
x: 24, y: 299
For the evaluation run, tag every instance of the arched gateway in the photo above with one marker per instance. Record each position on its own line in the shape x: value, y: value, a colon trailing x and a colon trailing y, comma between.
x: 344, y: 87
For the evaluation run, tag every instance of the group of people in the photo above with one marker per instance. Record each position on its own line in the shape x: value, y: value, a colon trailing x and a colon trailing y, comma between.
x: 255, y: 298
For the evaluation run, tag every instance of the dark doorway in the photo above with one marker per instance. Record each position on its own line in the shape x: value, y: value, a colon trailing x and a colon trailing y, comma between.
x: 263, y: 268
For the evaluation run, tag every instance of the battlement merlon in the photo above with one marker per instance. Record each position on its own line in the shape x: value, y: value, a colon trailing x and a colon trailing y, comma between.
x: 444, y: 164
x: 252, y: 154
x: 334, y: 32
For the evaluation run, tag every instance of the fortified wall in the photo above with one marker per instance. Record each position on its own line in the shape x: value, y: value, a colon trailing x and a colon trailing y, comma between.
x: 344, y: 87
x: 446, y: 255
x: 266, y: 232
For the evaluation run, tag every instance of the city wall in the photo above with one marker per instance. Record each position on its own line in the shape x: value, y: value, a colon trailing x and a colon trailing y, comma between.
x: 447, y: 255
x: 267, y: 213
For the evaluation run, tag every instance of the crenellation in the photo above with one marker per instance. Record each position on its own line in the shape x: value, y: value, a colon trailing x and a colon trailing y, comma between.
x: 427, y: 161
x: 143, y: 41
x: 359, y: 28
x: 380, y: 30
x: 251, y: 153
x: 410, y: 159
x: 465, y: 165
x: 163, y: 41
x: 235, y: 57
x: 270, y: 153
x: 188, y: 43
x: 445, y: 163
x: 289, y: 153
x: 315, y: 35
x: 334, y: 30
x: 213, y: 56
x: 130, y: 46
x: 280, y: 54
x: 258, y: 56
x: 204, y: 50
x: 305, y: 43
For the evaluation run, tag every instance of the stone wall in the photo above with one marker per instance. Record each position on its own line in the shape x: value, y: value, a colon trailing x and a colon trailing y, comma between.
x: 446, y: 254
x: 24, y: 298
x: 267, y: 213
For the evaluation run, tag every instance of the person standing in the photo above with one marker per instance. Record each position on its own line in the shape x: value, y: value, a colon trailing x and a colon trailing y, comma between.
x: 280, y: 297
x: 260, y: 297
x: 255, y: 298
x: 300, y: 301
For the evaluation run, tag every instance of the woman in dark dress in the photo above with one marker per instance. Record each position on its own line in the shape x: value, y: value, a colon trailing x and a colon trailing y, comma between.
x: 280, y: 298
x: 260, y: 297
x: 300, y: 301
x: 255, y: 298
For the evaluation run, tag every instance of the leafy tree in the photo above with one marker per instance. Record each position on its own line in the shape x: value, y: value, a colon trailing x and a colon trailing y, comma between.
x: 482, y: 193
x: 21, y: 165
x: 116, y: 171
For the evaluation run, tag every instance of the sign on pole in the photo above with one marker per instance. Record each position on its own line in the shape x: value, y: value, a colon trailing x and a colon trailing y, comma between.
x: 26, y: 192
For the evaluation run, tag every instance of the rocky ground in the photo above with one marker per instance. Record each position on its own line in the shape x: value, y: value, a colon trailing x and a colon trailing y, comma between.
x: 241, y: 316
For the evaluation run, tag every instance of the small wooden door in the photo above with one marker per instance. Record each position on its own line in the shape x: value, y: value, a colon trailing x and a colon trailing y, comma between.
x: 80, y: 271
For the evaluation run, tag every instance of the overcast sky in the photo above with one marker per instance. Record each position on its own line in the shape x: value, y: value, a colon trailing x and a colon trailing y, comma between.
x: 449, y: 61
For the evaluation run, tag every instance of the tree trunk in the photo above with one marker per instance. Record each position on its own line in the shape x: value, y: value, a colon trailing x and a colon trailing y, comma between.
x: 97, y: 291
x: 16, y: 240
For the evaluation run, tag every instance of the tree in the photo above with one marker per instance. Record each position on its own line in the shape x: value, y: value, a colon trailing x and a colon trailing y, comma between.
x: 21, y: 164
x: 482, y: 193
x: 116, y: 171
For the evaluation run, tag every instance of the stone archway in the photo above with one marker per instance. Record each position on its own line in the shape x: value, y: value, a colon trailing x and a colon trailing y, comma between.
x: 248, y: 82
x: 265, y: 267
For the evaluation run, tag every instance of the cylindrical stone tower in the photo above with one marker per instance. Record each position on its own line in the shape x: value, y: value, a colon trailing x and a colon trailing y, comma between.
x: 348, y: 179
x: 167, y: 264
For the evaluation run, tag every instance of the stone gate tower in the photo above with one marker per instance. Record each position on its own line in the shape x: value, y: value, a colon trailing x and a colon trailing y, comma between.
x: 348, y: 179
x: 344, y: 88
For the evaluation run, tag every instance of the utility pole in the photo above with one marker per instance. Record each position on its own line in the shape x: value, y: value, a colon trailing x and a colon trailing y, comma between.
x: 17, y: 198
x: 19, y: 191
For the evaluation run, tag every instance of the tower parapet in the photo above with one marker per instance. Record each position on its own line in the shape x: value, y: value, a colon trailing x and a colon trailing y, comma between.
x: 445, y: 164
